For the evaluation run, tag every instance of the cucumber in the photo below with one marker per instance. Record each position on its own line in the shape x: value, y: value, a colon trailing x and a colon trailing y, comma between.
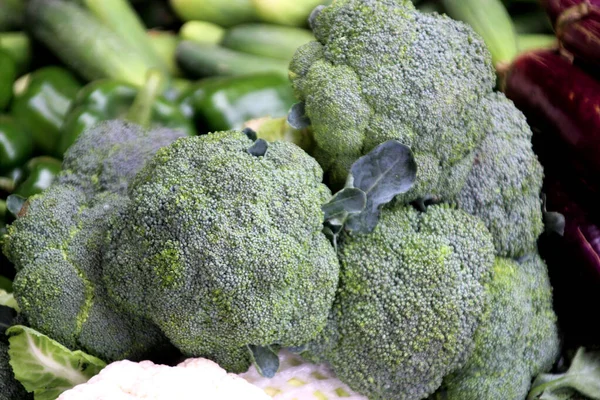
x: 490, y: 19
x: 82, y: 42
x: 202, y: 32
x: 267, y: 40
x: 120, y: 16
x: 202, y: 60
x: 221, y: 12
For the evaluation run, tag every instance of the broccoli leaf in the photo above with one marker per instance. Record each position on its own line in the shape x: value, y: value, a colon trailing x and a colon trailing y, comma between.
x: 259, y: 148
x: 297, y: 117
x: 388, y: 170
x: 14, y: 204
x: 44, y: 366
x: 7, y: 299
x: 265, y: 360
x: 583, y: 376
x: 251, y: 133
x: 346, y: 201
x: 5, y: 283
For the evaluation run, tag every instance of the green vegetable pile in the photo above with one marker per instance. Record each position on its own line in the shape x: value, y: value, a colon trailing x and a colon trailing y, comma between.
x: 361, y: 197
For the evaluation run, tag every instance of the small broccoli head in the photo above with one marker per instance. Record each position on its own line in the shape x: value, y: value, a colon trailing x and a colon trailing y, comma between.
x: 409, y: 301
x: 10, y: 388
x: 107, y: 157
x: 504, y: 185
x: 517, y: 339
x: 381, y: 70
x: 223, y: 249
x: 57, y: 250
x: 57, y: 245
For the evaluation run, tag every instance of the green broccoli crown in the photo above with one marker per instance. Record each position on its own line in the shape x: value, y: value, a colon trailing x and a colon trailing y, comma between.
x: 223, y: 249
x: 10, y: 388
x: 504, y: 185
x: 381, y: 70
x: 502, y: 365
x: 410, y: 298
x: 57, y: 247
x: 109, y: 155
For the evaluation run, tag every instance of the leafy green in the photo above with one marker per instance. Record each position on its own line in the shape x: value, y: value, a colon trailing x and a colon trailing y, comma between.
x: 345, y: 202
x: 7, y: 299
x: 582, y: 376
x: 388, y: 170
x: 44, y: 366
x: 265, y: 359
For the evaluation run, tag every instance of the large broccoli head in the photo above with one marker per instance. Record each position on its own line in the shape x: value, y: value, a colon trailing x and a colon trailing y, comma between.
x: 503, y: 187
x: 381, y: 70
x: 517, y: 339
x: 57, y: 245
x: 411, y: 295
x: 223, y: 249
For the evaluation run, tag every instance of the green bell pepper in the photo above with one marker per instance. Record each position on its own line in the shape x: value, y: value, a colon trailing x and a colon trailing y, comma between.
x: 222, y: 103
x: 40, y: 173
x: 15, y: 144
x: 8, y: 74
x: 105, y: 100
x: 41, y: 106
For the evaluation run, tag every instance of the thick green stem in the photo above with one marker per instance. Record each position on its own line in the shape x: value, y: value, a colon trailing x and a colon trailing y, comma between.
x: 141, y: 110
x: 552, y: 384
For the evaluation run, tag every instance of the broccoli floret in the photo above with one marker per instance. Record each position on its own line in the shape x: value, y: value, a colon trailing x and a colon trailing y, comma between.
x: 57, y: 246
x: 410, y: 298
x: 10, y: 388
x: 382, y: 70
x: 517, y: 339
x: 223, y: 249
x: 108, y: 157
x: 503, y: 187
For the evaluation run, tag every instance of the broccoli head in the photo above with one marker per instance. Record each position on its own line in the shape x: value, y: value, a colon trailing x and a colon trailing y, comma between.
x: 57, y: 245
x: 108, y: 157
x: 517, y: 339
x: 10, y: 388
x: 410, y: 298
x: 223, y: 249
x: 382, y: 70
x: 504, y: 185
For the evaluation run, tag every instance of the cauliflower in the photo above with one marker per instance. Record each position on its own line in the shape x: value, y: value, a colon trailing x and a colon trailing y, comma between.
x: 194, y: 378
x: 297, y: 379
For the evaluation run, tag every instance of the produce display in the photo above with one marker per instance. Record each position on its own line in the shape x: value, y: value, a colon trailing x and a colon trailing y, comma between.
x: 299, y: 199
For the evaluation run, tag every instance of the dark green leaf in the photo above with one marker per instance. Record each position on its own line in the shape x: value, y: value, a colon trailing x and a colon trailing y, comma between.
x: 388, y: 170
x: 259, y: 148
x: 250, y: 133
x: 265, y: 360
x: 554, y: 222
x: 344, y: 202
x: 297, y: 117
x: 14, y: 204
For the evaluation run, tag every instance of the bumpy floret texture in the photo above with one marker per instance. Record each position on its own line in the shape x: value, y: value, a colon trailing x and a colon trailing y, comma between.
x: 223, y: 249
x: 381, y: 70
x: 10, y: 388
x: 108, y: 156
x: 503, y: 187
x: 57, y: 248
x: 410, y: 298
x: 517, y: 339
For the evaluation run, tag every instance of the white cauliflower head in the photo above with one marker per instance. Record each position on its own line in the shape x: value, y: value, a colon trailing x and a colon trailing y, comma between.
x: 195, y: 378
